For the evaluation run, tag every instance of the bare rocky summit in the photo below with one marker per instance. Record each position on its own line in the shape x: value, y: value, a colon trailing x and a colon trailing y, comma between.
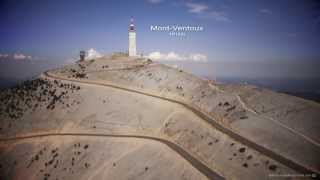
x: 130, y: 118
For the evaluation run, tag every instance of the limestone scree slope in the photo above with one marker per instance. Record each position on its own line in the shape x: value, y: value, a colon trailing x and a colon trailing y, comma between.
x: 130, y: 118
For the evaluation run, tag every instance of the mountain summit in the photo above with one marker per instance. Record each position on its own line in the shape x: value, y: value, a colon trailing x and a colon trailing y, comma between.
x: 119, y: 117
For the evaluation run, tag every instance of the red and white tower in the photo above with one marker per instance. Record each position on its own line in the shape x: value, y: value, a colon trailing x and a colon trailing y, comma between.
x: 132, y: 39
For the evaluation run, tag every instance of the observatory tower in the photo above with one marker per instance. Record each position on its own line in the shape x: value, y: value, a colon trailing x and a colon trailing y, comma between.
x: 132, y: 39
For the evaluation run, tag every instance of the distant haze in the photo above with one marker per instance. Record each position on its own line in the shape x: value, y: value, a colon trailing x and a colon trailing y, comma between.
x: 251, y: 69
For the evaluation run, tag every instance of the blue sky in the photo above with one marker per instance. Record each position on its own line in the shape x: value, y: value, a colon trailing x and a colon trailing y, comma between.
x: 234, y: 31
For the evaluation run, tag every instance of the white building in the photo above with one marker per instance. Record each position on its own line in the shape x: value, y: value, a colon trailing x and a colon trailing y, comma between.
x: 132, y: 40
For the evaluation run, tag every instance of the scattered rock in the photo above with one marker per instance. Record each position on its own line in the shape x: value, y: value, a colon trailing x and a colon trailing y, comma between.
x: 231, y: 108
x: 242, y: 150
x: 87, y: 165
x: 245, y: 165
x: 273, y: 167
x: 86, y: 146
x: 226, y: 104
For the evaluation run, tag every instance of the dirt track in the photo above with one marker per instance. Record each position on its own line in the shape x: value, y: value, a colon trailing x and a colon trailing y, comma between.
x: 193, y: 161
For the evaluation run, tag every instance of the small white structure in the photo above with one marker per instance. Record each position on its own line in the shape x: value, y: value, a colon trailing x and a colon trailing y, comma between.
x: 132, y: 40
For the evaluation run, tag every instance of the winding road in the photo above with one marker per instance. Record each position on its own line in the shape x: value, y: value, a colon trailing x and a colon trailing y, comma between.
x: 184, y: 154
x: 203, y: 115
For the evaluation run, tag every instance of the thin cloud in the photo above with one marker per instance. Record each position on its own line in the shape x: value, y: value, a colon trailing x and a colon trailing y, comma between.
x: 196, y: 7
x: 3, y: 56
x: 203, y: 11
x: 19, y: 56
x: 172, y: 56
x: 154, y: 1
x: 15, y: 56
x: 92, y: 54
x: 218, y: 16
x: 266, y: 11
